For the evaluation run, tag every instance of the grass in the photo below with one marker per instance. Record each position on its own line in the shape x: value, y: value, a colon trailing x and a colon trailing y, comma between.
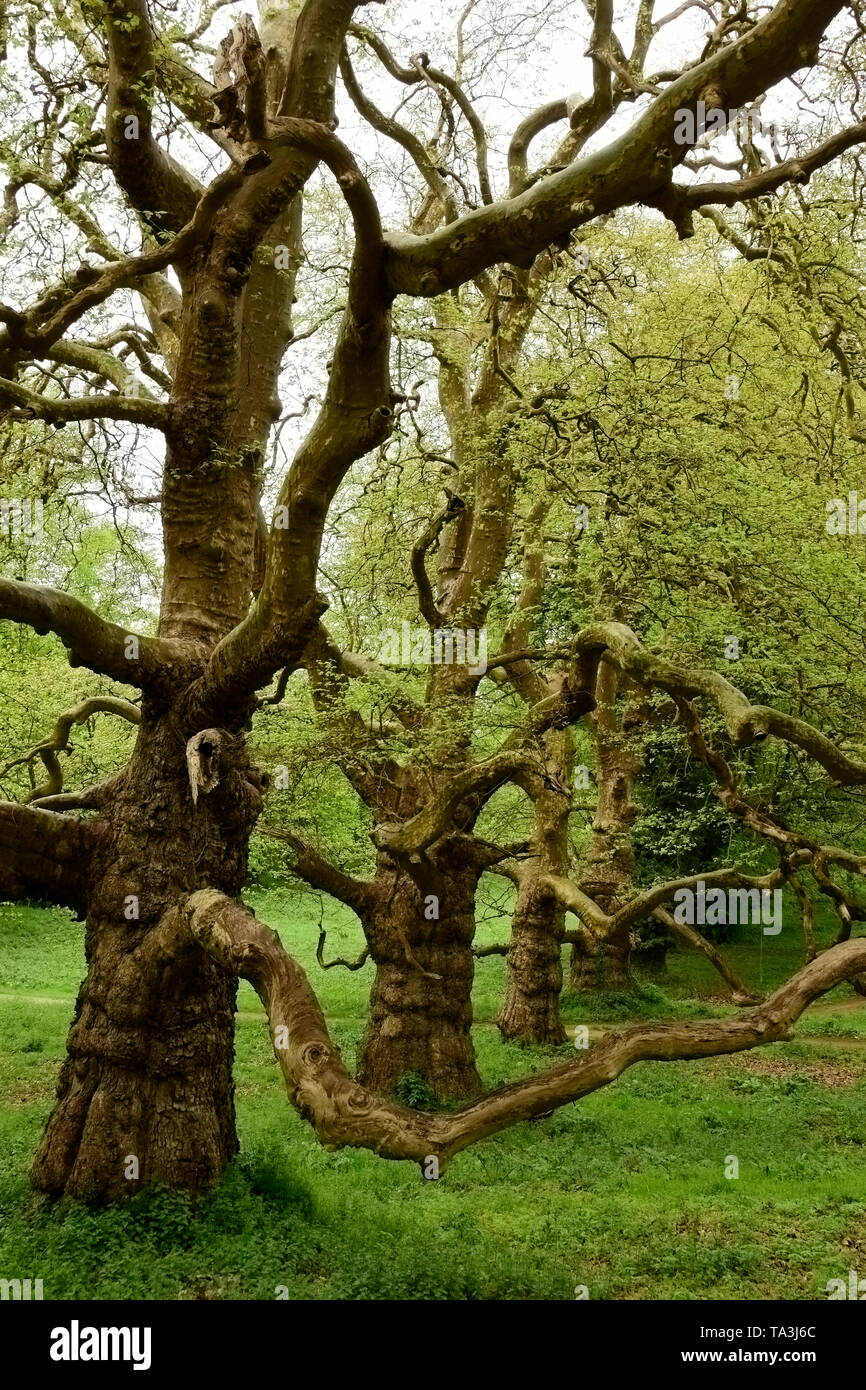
x: 624, y: 1193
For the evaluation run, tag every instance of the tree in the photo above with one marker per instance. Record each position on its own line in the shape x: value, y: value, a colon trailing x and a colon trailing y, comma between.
x: 157, y: 870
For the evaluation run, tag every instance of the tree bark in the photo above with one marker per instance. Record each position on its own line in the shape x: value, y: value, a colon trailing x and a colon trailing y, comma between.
x: 421, y: 1002
x: 530, y: 1011
x: 148, y: 1073
x: 146, y: 1092
x: 606, y: 966
x: 609, y: 861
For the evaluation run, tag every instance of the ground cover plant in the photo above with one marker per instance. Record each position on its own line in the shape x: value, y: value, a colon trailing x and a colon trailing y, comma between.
x: 430, y: 646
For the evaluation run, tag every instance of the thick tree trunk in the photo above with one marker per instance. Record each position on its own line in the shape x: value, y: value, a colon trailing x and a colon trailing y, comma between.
x: 530, y: 1012
x: 606, y: 966
x: 609, y: 861
x: 146, y: 1094
x: 421, y: 1002
x: 146, y: 1091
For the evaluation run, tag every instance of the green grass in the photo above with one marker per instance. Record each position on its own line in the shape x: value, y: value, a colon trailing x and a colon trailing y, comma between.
x: 624, y: 1192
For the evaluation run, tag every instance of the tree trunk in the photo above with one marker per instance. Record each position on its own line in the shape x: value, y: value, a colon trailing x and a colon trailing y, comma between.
x: 606, y: 966
x: 530, y: 1012
x: 146, y: 1093
x: 421, y: 1003
x: 609, y: 861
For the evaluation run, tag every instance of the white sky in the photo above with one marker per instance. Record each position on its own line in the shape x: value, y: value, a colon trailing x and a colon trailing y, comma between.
x: 517, y: 56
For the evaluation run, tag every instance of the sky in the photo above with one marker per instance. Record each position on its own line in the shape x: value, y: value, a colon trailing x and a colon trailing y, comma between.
x: 516, y: 55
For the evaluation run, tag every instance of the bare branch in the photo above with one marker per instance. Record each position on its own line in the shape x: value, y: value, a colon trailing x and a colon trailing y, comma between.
x: 37, y: 328
x: 386, y: 125
x: 411, y: 76
x: 91, y: 641
x: 345, y: 1114
x: 30, y: 405
x: 43, y: 857
x: 57, y: 742
x: 637, y: 167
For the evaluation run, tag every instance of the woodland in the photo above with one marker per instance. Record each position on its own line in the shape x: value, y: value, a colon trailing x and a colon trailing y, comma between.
x: 432, y: 679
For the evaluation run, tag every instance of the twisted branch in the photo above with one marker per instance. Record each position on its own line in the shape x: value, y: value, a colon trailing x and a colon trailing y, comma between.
x: 344, y: 1114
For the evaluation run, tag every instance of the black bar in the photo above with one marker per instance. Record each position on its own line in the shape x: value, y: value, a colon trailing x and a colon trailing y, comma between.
x: 229, y: 1338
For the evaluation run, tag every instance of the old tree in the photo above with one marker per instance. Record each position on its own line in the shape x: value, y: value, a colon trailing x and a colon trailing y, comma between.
x: 155, y: 859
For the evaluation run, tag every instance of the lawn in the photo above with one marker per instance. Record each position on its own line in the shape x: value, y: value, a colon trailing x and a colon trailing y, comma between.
x: 624, y: 1193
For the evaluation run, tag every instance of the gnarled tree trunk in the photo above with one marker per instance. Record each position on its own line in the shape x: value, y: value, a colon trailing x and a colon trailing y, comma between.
x: 420, y: 934
x: 605, y: 965
x: 609, y: 860
x: 530, y: 1010
x: 146, y: 1092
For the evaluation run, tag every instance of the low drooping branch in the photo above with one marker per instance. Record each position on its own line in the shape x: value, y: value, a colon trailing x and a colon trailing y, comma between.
x: 645, y: 904
x: 344, y: 1114
x: 746, y: 723
x: 796, y: 847
x: 320, y: 873
x: 57, y: 741
x: 740, y: 992
x: 726, y: 786
x: 103, y: 647
x: 43, y: 856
